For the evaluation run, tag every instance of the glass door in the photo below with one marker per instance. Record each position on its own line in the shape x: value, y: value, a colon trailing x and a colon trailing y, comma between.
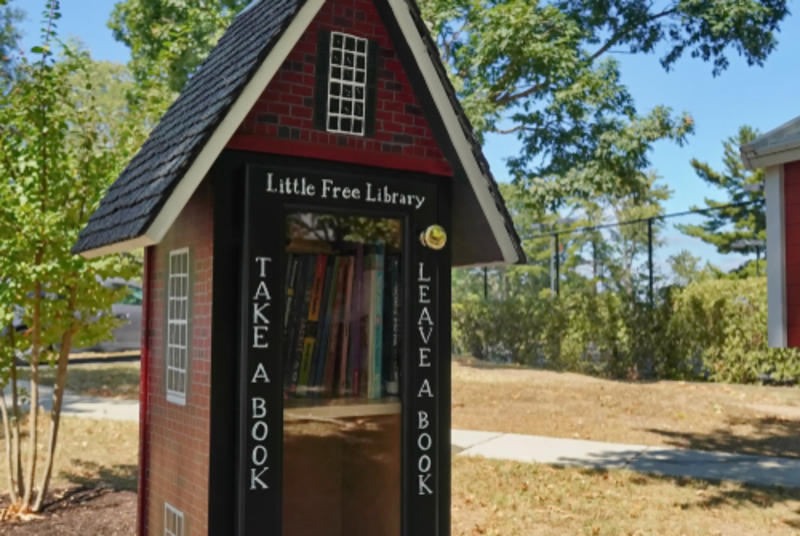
x: 341, y: 375
x: 343, y: 407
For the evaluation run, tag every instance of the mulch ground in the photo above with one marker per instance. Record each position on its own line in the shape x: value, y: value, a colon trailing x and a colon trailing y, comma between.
x: 79, y: 511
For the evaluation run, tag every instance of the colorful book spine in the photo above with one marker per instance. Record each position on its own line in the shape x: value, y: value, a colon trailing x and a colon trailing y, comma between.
x: 292, y: 264
x: 391, y: 327
x: 295, y: 342
x: 293, y: 287
x: 335, y: 328
x: 355, y: 322
x: 377, y: 322
x: 310, y: 337
x: 344, y: 345
x: 326, y: 317
x: 367, y: 364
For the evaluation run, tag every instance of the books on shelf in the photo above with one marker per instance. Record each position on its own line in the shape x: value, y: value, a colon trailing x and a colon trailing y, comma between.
x: 342, y: 323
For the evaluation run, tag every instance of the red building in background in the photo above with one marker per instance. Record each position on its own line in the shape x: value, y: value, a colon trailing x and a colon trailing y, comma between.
x: 778, y: 151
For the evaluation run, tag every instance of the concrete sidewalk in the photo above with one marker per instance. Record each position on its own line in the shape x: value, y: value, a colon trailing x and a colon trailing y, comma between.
x: 665, y: 461
x: 535, y: 449
x: 89, y: 407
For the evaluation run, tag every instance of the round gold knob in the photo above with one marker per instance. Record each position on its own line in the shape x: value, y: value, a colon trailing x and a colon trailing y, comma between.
x: 433, y: 237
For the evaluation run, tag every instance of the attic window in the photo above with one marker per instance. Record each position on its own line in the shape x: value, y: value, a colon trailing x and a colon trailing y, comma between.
x: 346, y: 84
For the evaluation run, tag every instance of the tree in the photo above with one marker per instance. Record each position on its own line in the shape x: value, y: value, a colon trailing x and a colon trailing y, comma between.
x: 747, y: 218
x: 61, y: 146
x: 545, y: 69
x: 169, y: 40
x: 540, y: 71
x: 9, y: 38
x: 686, y: 269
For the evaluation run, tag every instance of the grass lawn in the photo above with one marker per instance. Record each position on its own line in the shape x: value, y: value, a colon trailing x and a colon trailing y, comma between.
x: 89, y: 452
x: 735, y: 418
x: 503, y: 498
x: 115, y: 380
x: 516, y: 499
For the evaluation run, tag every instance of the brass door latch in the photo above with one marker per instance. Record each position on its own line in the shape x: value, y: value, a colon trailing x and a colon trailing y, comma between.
x: 433, y: 237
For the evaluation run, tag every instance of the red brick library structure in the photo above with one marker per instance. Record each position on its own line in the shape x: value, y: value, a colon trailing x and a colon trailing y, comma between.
x: 778, y: 152
x: 300, y: 206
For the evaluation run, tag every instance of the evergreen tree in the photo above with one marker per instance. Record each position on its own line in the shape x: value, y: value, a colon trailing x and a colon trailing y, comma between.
x: 744, y: 221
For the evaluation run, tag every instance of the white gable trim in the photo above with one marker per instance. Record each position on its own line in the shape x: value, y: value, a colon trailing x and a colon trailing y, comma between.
x: 462, y: 145
x: 771, y: 156
x: 220, y: 137
x: 776, y: 253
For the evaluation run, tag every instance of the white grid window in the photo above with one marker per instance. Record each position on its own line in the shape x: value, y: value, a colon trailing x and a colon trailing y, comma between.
x: 173, y: 521
x: 177, y: 325
x: 347, y: 84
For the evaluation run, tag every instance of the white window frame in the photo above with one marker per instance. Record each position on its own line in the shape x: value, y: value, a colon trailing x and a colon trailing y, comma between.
x: 338, y: 101
x: 178, y: 527
x: 176, y: 361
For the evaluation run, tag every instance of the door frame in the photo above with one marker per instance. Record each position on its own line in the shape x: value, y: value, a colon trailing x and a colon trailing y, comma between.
x: 226, y: 482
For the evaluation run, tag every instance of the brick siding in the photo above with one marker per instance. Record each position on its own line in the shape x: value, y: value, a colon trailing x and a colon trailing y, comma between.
x: 178, y: 436
x: 285, y: 110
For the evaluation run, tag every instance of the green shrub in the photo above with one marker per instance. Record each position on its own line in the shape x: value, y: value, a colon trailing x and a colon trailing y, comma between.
x: 714, y: 329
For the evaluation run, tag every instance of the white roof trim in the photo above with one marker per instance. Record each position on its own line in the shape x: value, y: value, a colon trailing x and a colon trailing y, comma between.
x: 771, y: 156
x: 462, y: 145
x: 761, y: 153
x: 119, y: 247
x: 221, y: 135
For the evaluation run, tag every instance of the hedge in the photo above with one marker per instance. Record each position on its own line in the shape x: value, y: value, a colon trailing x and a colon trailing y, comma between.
x: 714, y: 329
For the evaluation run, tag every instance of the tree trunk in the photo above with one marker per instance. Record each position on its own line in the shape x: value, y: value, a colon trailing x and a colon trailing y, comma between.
x: 12, y: 488
x: 58, y: 397
x: 16, y: 436
x: 36, y: 349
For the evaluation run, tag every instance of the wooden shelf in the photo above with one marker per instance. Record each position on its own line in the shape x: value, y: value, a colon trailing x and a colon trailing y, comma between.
x: 339, y: 408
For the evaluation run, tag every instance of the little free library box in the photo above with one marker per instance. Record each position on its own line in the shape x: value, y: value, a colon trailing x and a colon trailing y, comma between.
x: 301, y: 205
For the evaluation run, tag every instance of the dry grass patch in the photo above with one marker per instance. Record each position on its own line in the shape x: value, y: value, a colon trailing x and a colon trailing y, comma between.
x: 89, y: 453
x: 734, y: 418
x: 114, y: 380
x: 516, y: 499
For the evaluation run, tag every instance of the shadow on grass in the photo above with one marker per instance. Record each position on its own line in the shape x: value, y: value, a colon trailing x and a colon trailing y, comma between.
x: 708, y: 495
x: 765, y: 436
x: 89, y: 474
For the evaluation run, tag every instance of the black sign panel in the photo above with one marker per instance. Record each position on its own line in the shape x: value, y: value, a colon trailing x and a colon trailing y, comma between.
x: 272, y: 192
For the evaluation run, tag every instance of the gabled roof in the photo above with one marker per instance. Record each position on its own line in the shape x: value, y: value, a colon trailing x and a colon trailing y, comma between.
x: 144, y: 201
x: 777, y: 146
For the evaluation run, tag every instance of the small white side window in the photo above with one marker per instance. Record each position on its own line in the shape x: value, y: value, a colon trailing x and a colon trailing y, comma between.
x: 177, y: 326
x: 173, y: 521
x: 347, y: 84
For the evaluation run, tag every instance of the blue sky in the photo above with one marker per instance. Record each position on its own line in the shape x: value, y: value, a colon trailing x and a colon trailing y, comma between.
x: 763, y: 97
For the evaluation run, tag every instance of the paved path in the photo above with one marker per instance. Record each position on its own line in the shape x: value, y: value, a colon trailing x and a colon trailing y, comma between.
x: 90, y: 407
x: 535, y: 449
x: 657, y: 460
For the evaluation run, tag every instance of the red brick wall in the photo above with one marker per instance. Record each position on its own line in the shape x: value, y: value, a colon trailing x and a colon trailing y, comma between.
x: 791, y: 193
x: 282, y: 119
x: 178, y: 436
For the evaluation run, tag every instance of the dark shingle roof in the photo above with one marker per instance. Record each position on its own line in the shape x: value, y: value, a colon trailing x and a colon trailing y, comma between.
x: 133, y: 201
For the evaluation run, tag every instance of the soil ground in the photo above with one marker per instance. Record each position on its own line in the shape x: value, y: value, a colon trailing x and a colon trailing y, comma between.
x: 79, y: 512
x: 747, y: 419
